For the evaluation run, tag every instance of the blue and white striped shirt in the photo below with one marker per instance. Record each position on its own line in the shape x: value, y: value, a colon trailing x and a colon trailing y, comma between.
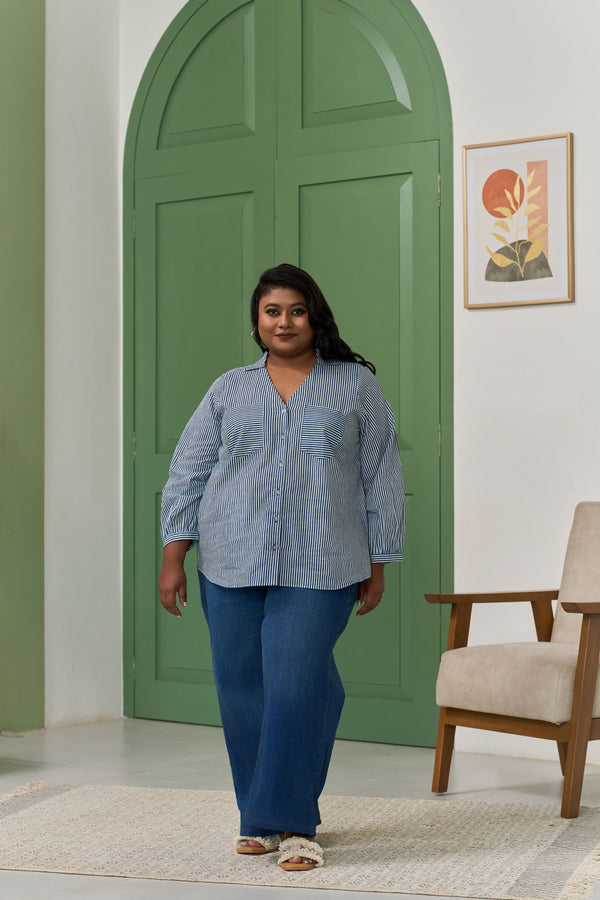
x: 300, y: 495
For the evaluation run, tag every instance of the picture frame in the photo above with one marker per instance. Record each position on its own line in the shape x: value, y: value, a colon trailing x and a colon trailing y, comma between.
x: 518, y: 222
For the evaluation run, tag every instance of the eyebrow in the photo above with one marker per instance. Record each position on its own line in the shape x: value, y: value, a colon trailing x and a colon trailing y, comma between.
x: 292, y: 305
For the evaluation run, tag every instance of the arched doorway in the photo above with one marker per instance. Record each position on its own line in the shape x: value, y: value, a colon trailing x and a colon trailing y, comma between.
x: 313, y: 132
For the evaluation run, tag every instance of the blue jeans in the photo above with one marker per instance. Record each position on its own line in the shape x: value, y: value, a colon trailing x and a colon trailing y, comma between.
x: 280, y: 696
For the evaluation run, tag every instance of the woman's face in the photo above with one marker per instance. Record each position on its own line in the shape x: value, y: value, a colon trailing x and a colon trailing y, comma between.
x: 283, y: 323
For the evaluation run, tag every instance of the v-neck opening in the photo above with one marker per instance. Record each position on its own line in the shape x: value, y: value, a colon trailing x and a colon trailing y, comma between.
x: 301, y: 385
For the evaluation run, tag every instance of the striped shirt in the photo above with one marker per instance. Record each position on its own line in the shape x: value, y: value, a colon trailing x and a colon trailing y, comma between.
x: 303, y: 494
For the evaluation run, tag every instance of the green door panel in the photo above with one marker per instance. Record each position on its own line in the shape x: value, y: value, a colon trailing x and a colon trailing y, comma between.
x: 208, y: 236
x: 204, y: 108
x: 200, y: 243
x: 352, y: 75
x: 212, y: 104
x: 366, y: 224
x: 308, y: 131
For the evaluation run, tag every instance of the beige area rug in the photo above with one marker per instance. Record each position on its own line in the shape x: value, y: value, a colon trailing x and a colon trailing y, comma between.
x: 437, y: 846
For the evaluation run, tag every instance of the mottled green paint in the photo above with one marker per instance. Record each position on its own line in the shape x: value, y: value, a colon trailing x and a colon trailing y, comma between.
x: 21, y: 364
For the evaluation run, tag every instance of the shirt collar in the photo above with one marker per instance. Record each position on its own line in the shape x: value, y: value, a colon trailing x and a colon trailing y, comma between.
x: 261, y: 363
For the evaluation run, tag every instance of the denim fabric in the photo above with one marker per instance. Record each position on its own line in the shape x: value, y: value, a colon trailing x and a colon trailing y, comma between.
x: 280, y: 696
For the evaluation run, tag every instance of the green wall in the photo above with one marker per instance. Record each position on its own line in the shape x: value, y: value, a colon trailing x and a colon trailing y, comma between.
x: 21, y: 364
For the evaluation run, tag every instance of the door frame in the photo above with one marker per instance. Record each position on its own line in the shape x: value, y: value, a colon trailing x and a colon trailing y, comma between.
x: 446, y: 319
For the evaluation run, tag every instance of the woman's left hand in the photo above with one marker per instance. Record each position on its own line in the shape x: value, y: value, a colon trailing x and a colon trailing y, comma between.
x: 370, y: 591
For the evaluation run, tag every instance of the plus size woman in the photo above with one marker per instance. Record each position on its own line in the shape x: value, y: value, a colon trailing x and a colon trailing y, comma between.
x: 287, y: 478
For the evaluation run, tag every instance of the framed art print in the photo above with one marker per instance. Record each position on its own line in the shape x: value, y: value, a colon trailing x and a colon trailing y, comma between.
x: 518, y: 222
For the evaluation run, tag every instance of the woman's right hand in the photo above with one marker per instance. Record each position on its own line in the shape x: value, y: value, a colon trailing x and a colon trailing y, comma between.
x: 172, y: 581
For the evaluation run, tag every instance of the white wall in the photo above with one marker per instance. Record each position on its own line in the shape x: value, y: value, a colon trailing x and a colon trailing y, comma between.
x: 526, y: 434
x: 83, y: 594
x: 89, y: 94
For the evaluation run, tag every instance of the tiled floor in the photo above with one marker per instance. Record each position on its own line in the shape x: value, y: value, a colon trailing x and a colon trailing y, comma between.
x: 138, y: 752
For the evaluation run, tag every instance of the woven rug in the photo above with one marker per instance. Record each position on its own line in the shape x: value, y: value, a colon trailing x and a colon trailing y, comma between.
x: 437, y: 846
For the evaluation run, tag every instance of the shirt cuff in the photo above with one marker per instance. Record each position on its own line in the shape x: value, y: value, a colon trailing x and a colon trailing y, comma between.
x: 181, y: 536
x: 386, y: 557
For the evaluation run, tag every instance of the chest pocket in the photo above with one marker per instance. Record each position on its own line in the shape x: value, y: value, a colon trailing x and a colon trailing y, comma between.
x: 322, y: 431
x: 243, y: 429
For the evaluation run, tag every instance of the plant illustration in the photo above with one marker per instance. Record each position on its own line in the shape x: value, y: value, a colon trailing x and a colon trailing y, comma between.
x: 517, y: 227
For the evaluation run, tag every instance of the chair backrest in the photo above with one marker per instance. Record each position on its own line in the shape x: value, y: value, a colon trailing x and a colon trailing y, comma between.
x: 581, y: 571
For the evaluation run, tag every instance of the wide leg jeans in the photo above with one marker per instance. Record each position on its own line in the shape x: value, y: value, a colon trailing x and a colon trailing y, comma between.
x: 280, y: 696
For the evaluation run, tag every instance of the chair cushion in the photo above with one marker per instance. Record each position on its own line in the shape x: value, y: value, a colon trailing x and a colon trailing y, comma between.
x: 528, y: 680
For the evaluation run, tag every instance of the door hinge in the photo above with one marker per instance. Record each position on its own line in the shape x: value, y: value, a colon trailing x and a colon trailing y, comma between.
x: 439, y: 441
x: 439, y: 190
x: 133, y: 445
x: 133, y: 669
x: 134, y: 224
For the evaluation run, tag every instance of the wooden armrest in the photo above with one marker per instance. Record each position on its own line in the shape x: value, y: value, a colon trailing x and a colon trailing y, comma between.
x: 494, y: 597
x: 462, y: 604
x: 591, y: 609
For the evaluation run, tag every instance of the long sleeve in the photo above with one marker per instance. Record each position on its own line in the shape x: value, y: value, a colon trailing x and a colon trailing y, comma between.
x: 195, y: 456
x: 381, y: 475
x: 303, y: 494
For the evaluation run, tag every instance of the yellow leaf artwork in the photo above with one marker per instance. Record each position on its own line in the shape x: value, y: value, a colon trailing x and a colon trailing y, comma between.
x: 521, y: 234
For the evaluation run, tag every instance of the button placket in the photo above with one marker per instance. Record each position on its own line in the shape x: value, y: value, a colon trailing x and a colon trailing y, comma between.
x: 282, y: 438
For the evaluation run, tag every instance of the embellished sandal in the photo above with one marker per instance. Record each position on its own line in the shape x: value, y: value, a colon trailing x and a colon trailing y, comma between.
x: 310, y: 851
x: 268, y: 843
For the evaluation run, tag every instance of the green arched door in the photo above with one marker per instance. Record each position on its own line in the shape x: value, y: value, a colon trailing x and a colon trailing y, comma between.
x: 310, y: 132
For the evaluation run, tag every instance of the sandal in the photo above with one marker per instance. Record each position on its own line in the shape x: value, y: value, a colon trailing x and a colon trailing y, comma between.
x: 310, y: 851
x: 268, y: 843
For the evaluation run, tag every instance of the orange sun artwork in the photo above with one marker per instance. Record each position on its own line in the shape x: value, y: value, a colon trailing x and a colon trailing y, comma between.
x: 496, y: 188
x: 519, y: 229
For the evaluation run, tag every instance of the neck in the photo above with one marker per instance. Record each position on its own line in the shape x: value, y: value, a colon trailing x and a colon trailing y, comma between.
x: 303, y: 363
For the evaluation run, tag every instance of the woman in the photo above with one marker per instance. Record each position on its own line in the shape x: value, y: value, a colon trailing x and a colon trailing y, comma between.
x: 288, y: 479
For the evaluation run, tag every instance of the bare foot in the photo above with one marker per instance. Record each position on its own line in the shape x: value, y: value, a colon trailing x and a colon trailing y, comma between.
x: 299, y: 859
x: 256, y: 845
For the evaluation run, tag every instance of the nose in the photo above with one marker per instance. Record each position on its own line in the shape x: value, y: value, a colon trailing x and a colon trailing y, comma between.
x: 285, y: 320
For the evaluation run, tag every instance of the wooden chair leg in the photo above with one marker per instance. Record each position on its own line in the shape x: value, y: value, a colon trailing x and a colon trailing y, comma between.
x: 581, y: 715
x: 562, y: 755
x: 573, y: 784
x: 443, y: 754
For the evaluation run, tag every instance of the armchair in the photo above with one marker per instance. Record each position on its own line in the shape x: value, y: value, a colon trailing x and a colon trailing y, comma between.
x: 543, y: 689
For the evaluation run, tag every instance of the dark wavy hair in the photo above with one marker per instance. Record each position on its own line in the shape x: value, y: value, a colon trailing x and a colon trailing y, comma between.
x: 327, y: 336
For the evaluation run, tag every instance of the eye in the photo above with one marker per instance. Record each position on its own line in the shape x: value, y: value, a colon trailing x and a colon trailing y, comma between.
x: 271, y: 311
x: 300, y: 311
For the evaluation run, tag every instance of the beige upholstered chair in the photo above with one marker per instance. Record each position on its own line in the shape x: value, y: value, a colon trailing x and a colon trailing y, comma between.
x: 542, y: 689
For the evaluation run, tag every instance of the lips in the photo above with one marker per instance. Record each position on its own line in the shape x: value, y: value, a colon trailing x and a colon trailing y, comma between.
x: 285, y: 336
